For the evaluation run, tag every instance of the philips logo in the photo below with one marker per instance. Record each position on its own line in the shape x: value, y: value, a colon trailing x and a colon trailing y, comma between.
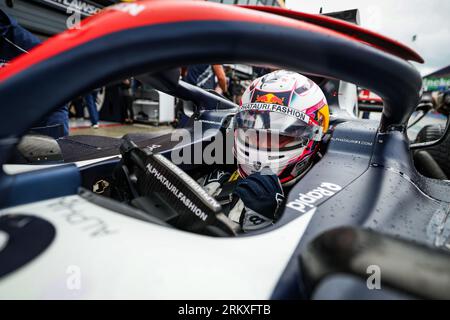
x: 305, y: 201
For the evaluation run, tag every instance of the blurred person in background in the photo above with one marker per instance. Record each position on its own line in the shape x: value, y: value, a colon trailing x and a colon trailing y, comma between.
x: 91, y: 104
x: 89, y: 101
x: 204, y: 76
x: 15, y: 41
x: 128, y: 88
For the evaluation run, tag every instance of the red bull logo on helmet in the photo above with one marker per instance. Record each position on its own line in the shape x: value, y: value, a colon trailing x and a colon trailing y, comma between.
x: 270, y: 98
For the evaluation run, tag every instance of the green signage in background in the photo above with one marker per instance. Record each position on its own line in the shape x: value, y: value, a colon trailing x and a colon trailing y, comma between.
x: 436, y: 83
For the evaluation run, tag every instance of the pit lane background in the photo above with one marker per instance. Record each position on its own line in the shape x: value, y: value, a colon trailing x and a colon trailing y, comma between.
x: 48, y: 17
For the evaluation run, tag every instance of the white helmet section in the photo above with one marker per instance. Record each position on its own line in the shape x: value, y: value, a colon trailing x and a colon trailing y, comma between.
x: 305, y: 92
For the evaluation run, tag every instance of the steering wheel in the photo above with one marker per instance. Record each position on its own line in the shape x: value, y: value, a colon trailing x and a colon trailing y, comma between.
x: 160, y: 183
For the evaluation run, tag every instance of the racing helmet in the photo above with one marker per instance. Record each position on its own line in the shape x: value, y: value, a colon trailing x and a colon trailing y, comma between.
x: 279, y: 125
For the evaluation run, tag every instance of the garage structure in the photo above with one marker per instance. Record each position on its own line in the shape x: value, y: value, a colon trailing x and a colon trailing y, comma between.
x: 438, y: 80
x: 48, y: 17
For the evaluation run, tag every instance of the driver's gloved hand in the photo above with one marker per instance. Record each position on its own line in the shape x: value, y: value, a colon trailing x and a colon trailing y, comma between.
x: 261, y: 194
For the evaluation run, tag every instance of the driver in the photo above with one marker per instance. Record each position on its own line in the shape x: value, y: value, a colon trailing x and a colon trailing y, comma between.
x: 277, y: 133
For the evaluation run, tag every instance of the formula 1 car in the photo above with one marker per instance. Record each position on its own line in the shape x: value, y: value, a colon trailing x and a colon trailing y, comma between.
x: 362, y: 223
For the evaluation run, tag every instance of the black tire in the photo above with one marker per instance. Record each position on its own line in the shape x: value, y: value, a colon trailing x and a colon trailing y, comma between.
x: 441, y: 152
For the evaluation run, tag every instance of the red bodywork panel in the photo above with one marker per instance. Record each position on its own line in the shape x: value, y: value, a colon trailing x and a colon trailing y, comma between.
x: 356, y: 32
x: 145, y: 13
x: 125, y: 16
x: 366, y: 95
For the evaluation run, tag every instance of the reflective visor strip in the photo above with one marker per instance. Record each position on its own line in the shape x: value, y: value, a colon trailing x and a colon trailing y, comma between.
x: 307, y: 151
x: 279, y: 109
x: 257, y: 106
x: 279, y: 148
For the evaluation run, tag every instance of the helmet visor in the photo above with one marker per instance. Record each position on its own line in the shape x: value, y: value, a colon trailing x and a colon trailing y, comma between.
x: 273, y: 130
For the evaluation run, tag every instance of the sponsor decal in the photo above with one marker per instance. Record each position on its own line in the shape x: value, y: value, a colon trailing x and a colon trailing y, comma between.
x: 253, y: 220
x: 153, y: 147
x: 191, y: 206
x: 306, y: 201
x: 363, y: 143
x: 200, y: 192
x: 100, y: 186
x: 71, y: 210
x: 257, y: 165
x: 81, y: 6
x: 270, y: 98
x: 211, y: 122
x: 275, y: 108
